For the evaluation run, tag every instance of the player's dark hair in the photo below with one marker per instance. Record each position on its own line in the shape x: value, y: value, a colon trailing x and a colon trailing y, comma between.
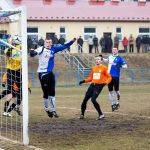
x: 100, y: 56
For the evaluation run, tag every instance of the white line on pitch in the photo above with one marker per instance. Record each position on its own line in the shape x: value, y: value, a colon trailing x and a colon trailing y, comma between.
x: 123, y: 114
x: 17, y: 142
x: 1, y: 149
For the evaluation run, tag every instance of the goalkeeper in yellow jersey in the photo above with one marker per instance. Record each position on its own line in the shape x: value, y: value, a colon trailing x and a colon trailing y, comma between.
x: 10, y: 95
x: 13, y: 57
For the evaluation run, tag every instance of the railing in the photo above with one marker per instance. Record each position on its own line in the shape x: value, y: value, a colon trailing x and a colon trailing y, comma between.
x: 73, y: 62
x: 88, y: 59
x: 72, y: 77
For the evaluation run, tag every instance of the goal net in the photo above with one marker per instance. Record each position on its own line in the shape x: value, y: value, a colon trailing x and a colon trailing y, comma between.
x: 13, y: 75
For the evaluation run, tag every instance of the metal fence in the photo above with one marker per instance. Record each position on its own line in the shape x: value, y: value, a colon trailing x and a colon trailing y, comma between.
x: 72, y: 77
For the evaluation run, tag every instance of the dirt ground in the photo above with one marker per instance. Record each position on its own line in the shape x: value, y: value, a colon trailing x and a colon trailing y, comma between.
x: 126, y: 129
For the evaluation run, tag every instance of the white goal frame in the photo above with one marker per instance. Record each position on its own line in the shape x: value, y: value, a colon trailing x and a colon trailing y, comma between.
x: 23, y: 24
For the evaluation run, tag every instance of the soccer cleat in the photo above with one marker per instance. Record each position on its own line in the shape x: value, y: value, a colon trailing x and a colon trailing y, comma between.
x: 118, y: 97
x: 101, y: 117
x: 117, y: 106
x: 49, y: 114
x: 7, y: 114
x: 81, y: 117
x: 18, y: 111
x: 4, y: 113
x: 113, y: 107
x: 55, y: 114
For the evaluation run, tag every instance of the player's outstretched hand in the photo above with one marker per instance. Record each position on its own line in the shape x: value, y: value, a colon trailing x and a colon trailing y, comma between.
x: 3, y: 84
x: 31, y: 49
x: 29, y: 89
x: 74, y: 39
x: 81, y: 82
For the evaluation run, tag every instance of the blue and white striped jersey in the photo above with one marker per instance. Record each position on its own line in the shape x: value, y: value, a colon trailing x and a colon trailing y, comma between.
x: 114, y: 64
x: 46, y: 58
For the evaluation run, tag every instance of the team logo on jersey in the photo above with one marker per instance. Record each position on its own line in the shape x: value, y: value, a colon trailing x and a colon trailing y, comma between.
x: 48, y: 55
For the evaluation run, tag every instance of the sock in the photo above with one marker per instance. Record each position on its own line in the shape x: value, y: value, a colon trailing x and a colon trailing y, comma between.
x: 118, y: 96
x: 46, y: 104
x: 111, y: 97
x: 6, y: 106
x: 3, y: 94
x: 52, y: 102
x: 13, y: 105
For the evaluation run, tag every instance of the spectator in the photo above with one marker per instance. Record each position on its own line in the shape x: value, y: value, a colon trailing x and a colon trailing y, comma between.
x: 41, y: 42
x: 55, y: 40
x: 95, y: 42
x: 102, y: 44
x: 35, y: 43
x: 109, y: 44
x: 116, y: 41
x: 131, y: 44
x: 29, y: 43
x: 138, y: 43
x: 145, y: 42
x: 61, y: 41
x: 125, y: 44
x: 90, y: 43
x: 80, y: 44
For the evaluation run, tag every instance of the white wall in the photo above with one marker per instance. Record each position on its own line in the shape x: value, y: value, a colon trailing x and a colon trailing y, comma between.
x: 75, y: 29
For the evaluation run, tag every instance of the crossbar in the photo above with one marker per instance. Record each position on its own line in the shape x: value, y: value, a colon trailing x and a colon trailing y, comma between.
x: 10, y: 45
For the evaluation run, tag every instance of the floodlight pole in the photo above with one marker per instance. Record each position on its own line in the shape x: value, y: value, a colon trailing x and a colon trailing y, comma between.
x: 24, y: 75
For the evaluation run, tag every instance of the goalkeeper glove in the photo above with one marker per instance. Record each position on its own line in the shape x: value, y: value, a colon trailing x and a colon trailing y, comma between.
x: 29, y: 89
x: 81, y: 82
x: 3, y: 84
x: 74, y: 39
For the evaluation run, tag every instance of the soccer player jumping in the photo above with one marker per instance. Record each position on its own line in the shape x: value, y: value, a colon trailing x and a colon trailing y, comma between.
x: 98, y: 77
x: 47, y: 79
x: 115, y: 62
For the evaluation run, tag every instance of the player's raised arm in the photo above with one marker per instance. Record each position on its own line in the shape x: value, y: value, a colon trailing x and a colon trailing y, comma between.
x: 32, y: 52
x: 62, y: 47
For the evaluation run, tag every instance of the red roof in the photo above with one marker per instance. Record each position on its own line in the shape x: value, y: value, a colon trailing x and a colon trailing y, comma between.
x: 84, y: 10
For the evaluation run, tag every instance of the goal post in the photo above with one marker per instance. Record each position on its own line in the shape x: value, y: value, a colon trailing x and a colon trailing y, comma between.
x: 24, y: 76
x: 21, y: 12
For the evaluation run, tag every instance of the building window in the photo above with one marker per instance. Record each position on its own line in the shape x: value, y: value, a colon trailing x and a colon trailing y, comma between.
x: 63, y: 32
x: 144, y: 31
x: 32, y: 33
x: 119, y: 33
x: 89, y: 31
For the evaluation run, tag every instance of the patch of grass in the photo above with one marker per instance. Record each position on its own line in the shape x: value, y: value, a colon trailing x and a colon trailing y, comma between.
x: 126, y: 129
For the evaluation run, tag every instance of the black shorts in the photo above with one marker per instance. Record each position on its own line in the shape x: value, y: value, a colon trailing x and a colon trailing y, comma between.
x: 48, y: 84
x: 14, y: 76
x: 94, y: 90
x: 114, y: 84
